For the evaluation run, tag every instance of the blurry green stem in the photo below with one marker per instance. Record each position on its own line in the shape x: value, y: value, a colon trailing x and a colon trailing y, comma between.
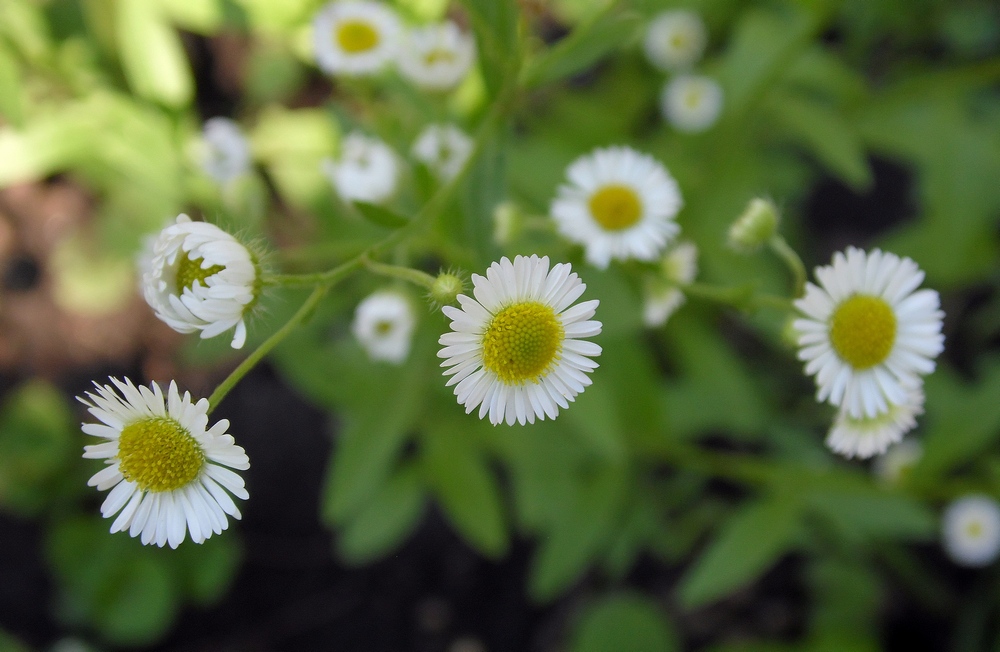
x: 792, y: 261
x: 741, y: 297
x: 408, y: 274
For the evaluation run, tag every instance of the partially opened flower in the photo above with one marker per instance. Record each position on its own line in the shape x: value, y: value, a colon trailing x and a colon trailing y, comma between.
x: 383, y: 324
x: 167, y: 471
x: 436, y: 57
x: 664, y: 294
x: 199, y: 278
x: 971, y: 531
x: 355, y: 37
x: 868, y: 334
x: 367, y: 170
x: 443, y: 148
x: 865, y: 436
x: 675, y: 39
x: 691, y: 103
x: 516, y: 350
x: 226, y: 154
x: 618, y: 204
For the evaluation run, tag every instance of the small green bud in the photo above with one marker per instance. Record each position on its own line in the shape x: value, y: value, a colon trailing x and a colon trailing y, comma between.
x: 446, y: 288
x: 507, y: 223
x: 754, y: 227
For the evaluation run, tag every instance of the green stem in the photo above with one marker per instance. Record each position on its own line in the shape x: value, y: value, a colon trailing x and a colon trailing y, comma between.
x: 407, y: 274
x: 792, y: 261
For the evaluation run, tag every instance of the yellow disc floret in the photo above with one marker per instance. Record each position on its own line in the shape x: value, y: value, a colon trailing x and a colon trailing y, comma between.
x: 522, y: 341
x: 189, y: 270
x: 863, y: 330
x: 356, y: 36
x: 158, y: 454
x: 616, y: 207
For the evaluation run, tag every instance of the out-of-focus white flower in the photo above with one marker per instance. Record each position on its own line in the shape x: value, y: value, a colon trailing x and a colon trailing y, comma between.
x: 166, y: 470
x: 971, y: 531
x: 383, y: 324
x: 516, y: 350
x: 619, y: 204
x: 200, y: 278
x: 367, y: 170
x: 675, y: 40
x: 865, y: 436
x: 355, y: 37
x: 443, y: 148
x: 226, y: 153
x: 436, y: 57
x: 892, y: 465
x: 659, y: 303
x: 868, y: 334
x: 664, y: 294
x: 691, y: 103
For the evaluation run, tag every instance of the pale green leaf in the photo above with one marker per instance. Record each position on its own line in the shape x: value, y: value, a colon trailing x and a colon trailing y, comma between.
x: 153, y: 58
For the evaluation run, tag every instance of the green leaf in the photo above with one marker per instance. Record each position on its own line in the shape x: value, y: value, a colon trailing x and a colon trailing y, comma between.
x: 11, y: 95
x: 385, y: 520
x: 624, y: 622
x: 747, y: 545
x: 202, y: 16
x: 587, y: 44
x: 495, y: 25
x: 464, y: 484
x: 865, y: 512
x: 209, y: 569
x: 140, y: 601
x: 380, y: 215
x: 152, y: 56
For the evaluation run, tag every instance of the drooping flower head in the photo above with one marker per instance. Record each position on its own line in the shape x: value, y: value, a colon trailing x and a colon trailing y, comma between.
x: 443, y: 148
x: 436, y: 57
x: 200, y: 278
x: 865, y: 436
x: 383, y: 324
x: 868, y: 334
x: 971, y: 531
x: 691, y: 103
x: 167, y: 471
x: 226, y: 155
x: 355, y: 37
x: 516, y: 350
x: 675, y: 40
x: 618, y: 204
x: 367, y: 170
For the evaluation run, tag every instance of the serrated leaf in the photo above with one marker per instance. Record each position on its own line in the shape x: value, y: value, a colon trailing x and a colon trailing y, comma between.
x: 624, y: 622
x: 751, y: 540
x: 385, y: 520
x: 152, y: 56
x: 380, y: 215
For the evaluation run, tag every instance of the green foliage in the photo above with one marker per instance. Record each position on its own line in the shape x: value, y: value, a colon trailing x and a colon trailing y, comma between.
x: 624, y: 622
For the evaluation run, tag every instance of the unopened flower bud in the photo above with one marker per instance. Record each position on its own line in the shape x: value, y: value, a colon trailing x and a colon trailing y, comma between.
x: 446, y: 288
x: 754, y: 227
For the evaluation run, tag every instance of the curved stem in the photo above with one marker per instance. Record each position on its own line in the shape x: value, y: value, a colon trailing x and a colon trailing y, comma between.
x: 791, y: 259
x: 408, y: 274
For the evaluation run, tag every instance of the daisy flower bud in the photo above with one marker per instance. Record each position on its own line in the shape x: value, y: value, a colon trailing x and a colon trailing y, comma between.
x: 436, y: 57
x: 516, y: 351
x: 675, y: 40
x: 446, y: 288
x: 443, y: 148
x: 167, y: 471
x: 367, y: 170
x: 868, y: 334
x: 691, y: 103
x: 355, y: 38
x: 200, y: 278
x: 383, y: 324
x: 226, y: 154
x: 754, y: 227
x: 971, y: 531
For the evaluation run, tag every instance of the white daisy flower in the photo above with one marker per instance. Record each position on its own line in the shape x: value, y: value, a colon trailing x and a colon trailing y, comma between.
x: 865, y: 436
x: 691, y: 103
x: 659, y: 303
x: 436, y: 57
x: 226, y: 153
x: 618, y: 204
x: 868, y: 334
x: 663, y: 296
x: 443, y: 148
x: 516, y: 349
x: 355, y: 37
x: 367, y: 170
x: 200, y: 278
x: 383, y: 324
x: 971, y: 531
x: 166, y: 472
x: 675, y: 40
x: 892, y: 465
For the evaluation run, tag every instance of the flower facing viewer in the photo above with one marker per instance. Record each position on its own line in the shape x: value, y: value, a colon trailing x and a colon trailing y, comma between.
x: 436, y: 57
x: 367, y: 170
x: 199, y: 278
x: 691, y: 103
x: 444, y: 148
x: 516, y: 350
x: 355, y: 37
x: 971, y: 531
x: 166, y: 470
x: 618, y: 204
x: 868, y: 334
x: 383, y: 324
x: 675, y: 40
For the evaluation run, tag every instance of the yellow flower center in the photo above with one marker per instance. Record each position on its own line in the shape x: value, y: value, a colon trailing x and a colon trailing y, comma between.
x: 189, y: 270
x: 678, y: 41
x: 863, y: 330
x: 522, y: 341
x: 692, y: 98
x: 616, y: 207
x: 383, y: 327
x: 356, y: 36
x: 974, y: 529
x: 439, y: 55
x: 158, y: 454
